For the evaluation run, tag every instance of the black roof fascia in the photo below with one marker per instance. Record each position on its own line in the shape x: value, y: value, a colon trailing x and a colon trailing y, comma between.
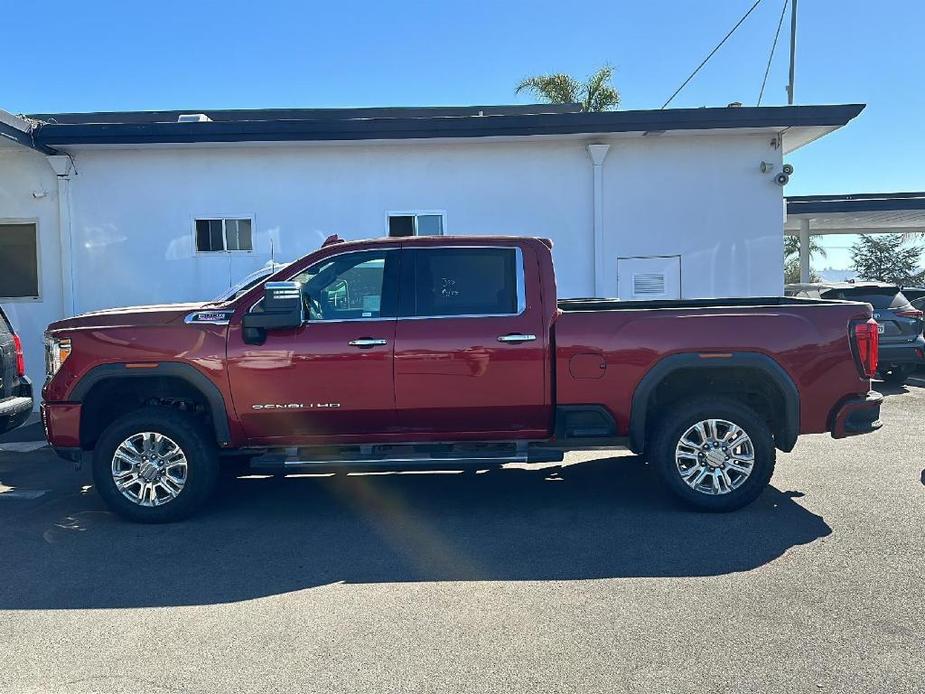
x: 271, y: 114
x: 855, y: 202
x: 397, y: 128
x: 23, y: 138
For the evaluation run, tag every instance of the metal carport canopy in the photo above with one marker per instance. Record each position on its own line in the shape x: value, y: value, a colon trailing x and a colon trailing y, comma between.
x: 855, y: 213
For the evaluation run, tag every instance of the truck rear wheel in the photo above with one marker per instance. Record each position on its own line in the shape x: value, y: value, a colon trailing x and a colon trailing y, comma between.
x: 716, y: 454
x: 155, y: 465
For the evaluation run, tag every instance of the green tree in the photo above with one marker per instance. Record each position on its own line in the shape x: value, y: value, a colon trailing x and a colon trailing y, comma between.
x: 792, y: 272
x: 594, y: 94
x: 884, y: 259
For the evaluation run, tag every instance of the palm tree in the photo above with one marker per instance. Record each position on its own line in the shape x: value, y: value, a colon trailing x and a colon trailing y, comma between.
x: 792, y: 247
x: 594, y: 94
x: 792, y: 259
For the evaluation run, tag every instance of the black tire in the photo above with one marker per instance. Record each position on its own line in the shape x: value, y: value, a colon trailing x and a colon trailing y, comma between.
x: 672, y: 426
x: 896, y: 375
x: 192, y: 437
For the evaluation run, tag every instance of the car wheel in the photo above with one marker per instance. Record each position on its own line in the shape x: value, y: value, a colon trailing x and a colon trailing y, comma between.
x: 896, y: 375
x: 715, y: 454
x: 155, y: 465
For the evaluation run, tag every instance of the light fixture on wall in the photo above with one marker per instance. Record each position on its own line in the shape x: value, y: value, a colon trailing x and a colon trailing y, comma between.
x: 39, y: 194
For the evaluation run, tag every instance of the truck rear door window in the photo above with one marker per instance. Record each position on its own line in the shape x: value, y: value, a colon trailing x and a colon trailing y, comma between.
x: 466, y: 282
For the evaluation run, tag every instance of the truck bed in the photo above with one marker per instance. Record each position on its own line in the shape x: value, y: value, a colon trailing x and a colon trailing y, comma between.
x: 605, y: 347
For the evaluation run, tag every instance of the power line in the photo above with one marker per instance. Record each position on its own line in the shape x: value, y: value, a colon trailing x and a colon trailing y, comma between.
x: 773, y: 46
x: 718, y: 46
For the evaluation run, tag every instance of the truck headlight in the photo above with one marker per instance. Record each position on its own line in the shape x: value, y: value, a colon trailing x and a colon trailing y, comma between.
x: 57, y: 350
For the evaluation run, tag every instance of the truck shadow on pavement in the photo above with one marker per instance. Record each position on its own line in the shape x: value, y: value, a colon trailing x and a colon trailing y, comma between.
x: 915, y: 382
x: 266, y: 536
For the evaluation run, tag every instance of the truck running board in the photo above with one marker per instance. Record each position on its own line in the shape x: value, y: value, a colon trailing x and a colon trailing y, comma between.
x: 423, y: 455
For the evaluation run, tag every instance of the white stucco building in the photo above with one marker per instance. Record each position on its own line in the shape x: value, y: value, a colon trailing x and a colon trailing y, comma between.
x: 109, y: 209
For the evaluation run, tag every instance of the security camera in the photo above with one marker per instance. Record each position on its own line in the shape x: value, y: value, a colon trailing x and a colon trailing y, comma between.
x: 788, y: 169
x: 782, y: 179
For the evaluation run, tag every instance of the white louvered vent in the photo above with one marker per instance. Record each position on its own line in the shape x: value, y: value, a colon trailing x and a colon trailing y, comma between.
x: 193, y: 118
x: 648, y: 284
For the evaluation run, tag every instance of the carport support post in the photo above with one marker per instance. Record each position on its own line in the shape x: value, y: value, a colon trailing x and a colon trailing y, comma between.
x: 598, y: 153
x: 804, y: 250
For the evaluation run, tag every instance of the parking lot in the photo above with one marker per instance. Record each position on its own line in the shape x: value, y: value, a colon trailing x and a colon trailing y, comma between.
x: 582, y: 578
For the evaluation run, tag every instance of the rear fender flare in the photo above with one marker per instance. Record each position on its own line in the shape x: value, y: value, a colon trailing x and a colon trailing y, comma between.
x: 784, y: 438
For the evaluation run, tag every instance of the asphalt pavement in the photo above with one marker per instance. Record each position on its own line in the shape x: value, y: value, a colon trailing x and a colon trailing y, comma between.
x: 582, y: 578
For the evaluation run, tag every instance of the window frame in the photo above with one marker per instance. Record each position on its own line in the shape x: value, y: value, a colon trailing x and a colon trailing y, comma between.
x: 415, y: 213
x: 408, y: 278
x: 405, y: 278
x: 224, y: 218
x: 38, y: 297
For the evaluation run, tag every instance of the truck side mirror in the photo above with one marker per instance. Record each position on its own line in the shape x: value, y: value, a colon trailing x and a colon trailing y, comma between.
x: 282, y: 309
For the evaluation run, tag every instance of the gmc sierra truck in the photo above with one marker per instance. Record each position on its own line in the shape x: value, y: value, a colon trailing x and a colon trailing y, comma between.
x: 443, y: 351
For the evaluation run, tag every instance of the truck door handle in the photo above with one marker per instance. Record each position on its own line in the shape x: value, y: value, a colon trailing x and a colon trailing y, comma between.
x: 516, y: 337
x: 367, y: 342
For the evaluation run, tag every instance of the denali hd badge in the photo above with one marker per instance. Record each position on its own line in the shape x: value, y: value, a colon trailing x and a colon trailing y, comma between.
x: 210, y: 317
x: 298, y: 406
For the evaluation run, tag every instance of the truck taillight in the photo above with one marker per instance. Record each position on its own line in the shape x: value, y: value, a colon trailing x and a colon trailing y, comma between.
x: 20, y: 356
x: 867, y: 343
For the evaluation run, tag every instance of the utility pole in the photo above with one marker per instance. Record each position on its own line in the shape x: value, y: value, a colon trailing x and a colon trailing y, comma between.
x: 793, y: 49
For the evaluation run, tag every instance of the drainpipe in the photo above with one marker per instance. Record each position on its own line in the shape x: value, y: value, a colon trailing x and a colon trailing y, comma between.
x: 598, y: 153
x: 804, y: 250
x: 63, y: 166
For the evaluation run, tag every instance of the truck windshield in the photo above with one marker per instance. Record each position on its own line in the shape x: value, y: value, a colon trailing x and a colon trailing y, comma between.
x: 248, y: 282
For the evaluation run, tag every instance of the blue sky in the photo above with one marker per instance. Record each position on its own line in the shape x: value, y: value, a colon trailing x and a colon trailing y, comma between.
x: 87, y: 56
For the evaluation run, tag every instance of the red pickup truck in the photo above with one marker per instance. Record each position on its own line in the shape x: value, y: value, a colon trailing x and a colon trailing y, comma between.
x: 440, y: 351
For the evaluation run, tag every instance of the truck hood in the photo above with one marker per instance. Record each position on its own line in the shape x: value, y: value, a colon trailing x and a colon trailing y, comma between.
x: 159, y: 314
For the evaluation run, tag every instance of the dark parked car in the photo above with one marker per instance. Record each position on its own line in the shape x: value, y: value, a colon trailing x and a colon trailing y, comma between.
x: 15, y: 388
x: 916, y: 296
x: 902, y: 346
x: 913, y: 293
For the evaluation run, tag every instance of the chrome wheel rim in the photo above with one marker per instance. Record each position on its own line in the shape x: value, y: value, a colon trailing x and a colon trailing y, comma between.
x: 149, y: 469
x: 715, y: 456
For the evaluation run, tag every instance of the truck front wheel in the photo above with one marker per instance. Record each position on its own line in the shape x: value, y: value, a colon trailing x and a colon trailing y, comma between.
x: 716, y: 454
x: 155, y: 465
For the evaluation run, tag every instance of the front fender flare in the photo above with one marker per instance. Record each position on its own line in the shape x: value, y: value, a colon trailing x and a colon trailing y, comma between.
x: 188, y: 373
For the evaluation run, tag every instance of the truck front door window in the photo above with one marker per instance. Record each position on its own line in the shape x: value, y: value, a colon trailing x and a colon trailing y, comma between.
x: 347, y: 287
